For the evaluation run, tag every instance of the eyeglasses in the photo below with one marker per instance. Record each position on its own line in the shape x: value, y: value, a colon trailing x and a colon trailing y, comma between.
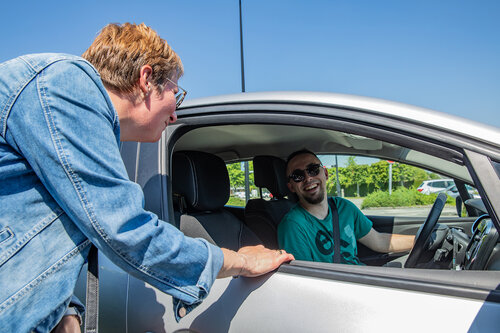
x: 298, y: 175
x: 179, y: 96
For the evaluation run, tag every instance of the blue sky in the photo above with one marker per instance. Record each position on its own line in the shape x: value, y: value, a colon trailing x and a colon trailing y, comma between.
x: 443, y: 55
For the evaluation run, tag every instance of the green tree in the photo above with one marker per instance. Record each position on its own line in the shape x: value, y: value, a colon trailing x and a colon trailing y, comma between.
x: 355, y: 174
x: 379, y: 175
x: 331, y: 183
x: 367, y: 178
x: 236, y: 176
x: 433, y: 175
x: 420, y: 176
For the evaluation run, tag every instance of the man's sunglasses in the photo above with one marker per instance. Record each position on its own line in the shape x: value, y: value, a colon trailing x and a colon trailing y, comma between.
x: 298, y: 175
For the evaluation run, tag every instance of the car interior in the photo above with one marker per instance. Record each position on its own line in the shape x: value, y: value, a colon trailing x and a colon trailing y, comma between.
x: 263, y: 216
x: 201, y: 190
x: 201, y: 186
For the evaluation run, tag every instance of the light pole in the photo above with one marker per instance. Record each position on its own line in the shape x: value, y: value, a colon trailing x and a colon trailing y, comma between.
x: 247, y: 169
x: 390, y: 176
x: 337, y: 173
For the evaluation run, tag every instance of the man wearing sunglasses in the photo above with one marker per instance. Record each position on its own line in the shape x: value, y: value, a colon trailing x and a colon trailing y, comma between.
x: 306, y: 230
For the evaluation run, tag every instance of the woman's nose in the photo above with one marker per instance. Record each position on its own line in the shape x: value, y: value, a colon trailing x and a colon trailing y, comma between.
x: 173, y: 117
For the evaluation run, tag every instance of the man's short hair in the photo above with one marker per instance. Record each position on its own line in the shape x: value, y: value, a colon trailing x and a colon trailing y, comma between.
x: 120, y: 50
x: 297, y: 153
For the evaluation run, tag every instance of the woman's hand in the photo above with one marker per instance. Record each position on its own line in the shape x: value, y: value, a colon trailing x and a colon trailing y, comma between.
x: 252, y: 261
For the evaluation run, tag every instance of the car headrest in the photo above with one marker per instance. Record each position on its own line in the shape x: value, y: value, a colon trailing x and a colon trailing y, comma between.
x: 269, y: 172
x: 200, y: 178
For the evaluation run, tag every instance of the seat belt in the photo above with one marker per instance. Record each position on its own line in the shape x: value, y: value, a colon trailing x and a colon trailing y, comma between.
x: 335, y: 231
x: 92, y: 297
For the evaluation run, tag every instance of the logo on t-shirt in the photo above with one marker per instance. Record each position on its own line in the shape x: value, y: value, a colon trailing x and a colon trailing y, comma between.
x: 324, y: 242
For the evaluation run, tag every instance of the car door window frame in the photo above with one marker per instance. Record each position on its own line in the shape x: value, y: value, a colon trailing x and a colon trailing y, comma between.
x: 360, y: 274
x: 488, y: 179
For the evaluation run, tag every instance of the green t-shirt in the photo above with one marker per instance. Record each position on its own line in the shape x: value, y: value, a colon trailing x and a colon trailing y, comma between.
x: 309, y: 238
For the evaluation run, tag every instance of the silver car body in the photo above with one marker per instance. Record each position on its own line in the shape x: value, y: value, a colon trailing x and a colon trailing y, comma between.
x: 306, y: 296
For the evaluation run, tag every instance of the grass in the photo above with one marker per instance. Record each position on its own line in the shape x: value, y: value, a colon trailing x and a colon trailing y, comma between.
x: 235, y: 201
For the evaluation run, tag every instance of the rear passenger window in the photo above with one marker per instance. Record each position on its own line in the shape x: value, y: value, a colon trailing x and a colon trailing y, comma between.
x: 241, y: 181
x: 440, y: 184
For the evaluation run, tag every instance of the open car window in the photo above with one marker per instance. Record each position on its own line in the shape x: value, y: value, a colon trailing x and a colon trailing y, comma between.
x: 387, y: 188
x: 361, y: 173
x: 358, y: 166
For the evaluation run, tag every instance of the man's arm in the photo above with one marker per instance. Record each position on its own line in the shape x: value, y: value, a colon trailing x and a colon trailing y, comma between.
x: 384, y: 243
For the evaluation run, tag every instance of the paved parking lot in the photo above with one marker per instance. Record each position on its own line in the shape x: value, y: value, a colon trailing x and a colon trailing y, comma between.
x: 448, y: 210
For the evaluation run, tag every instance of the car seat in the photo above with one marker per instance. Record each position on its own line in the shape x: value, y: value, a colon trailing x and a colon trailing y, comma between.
x: 263, y: 216
x: 200, y: 190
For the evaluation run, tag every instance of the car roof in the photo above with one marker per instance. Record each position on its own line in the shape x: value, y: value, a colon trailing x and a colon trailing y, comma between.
x: 439, y: 180
x: 395, y: 110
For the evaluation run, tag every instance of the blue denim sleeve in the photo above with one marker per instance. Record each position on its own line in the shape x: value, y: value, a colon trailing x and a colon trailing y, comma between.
x: 69, y: 135
x: 75, y: 308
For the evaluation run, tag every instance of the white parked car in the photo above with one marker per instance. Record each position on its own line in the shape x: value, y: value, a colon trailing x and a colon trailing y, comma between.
x: 435, y: 186
x: 240, y: 195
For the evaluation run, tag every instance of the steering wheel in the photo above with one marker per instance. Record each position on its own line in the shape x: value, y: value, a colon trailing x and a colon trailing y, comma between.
x: 425, y: 231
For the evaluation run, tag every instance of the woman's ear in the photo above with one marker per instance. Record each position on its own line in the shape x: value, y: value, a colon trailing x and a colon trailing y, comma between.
x: 144, y: 79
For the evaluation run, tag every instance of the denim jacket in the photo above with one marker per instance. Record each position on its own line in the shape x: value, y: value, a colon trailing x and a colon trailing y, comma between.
x: 63, y: 186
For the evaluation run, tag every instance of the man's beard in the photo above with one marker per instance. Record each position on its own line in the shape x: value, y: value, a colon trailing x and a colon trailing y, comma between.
x: 314, y: 200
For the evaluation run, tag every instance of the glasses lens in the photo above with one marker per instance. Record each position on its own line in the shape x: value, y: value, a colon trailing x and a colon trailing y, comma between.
x: 297, y: 175
x: 313, y: 169
x: 181, y: 93
x: 179, y: 98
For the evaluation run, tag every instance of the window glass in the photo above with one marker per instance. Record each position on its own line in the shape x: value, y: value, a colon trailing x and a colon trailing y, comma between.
x: 237, y: 183
x: 237, y: 195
